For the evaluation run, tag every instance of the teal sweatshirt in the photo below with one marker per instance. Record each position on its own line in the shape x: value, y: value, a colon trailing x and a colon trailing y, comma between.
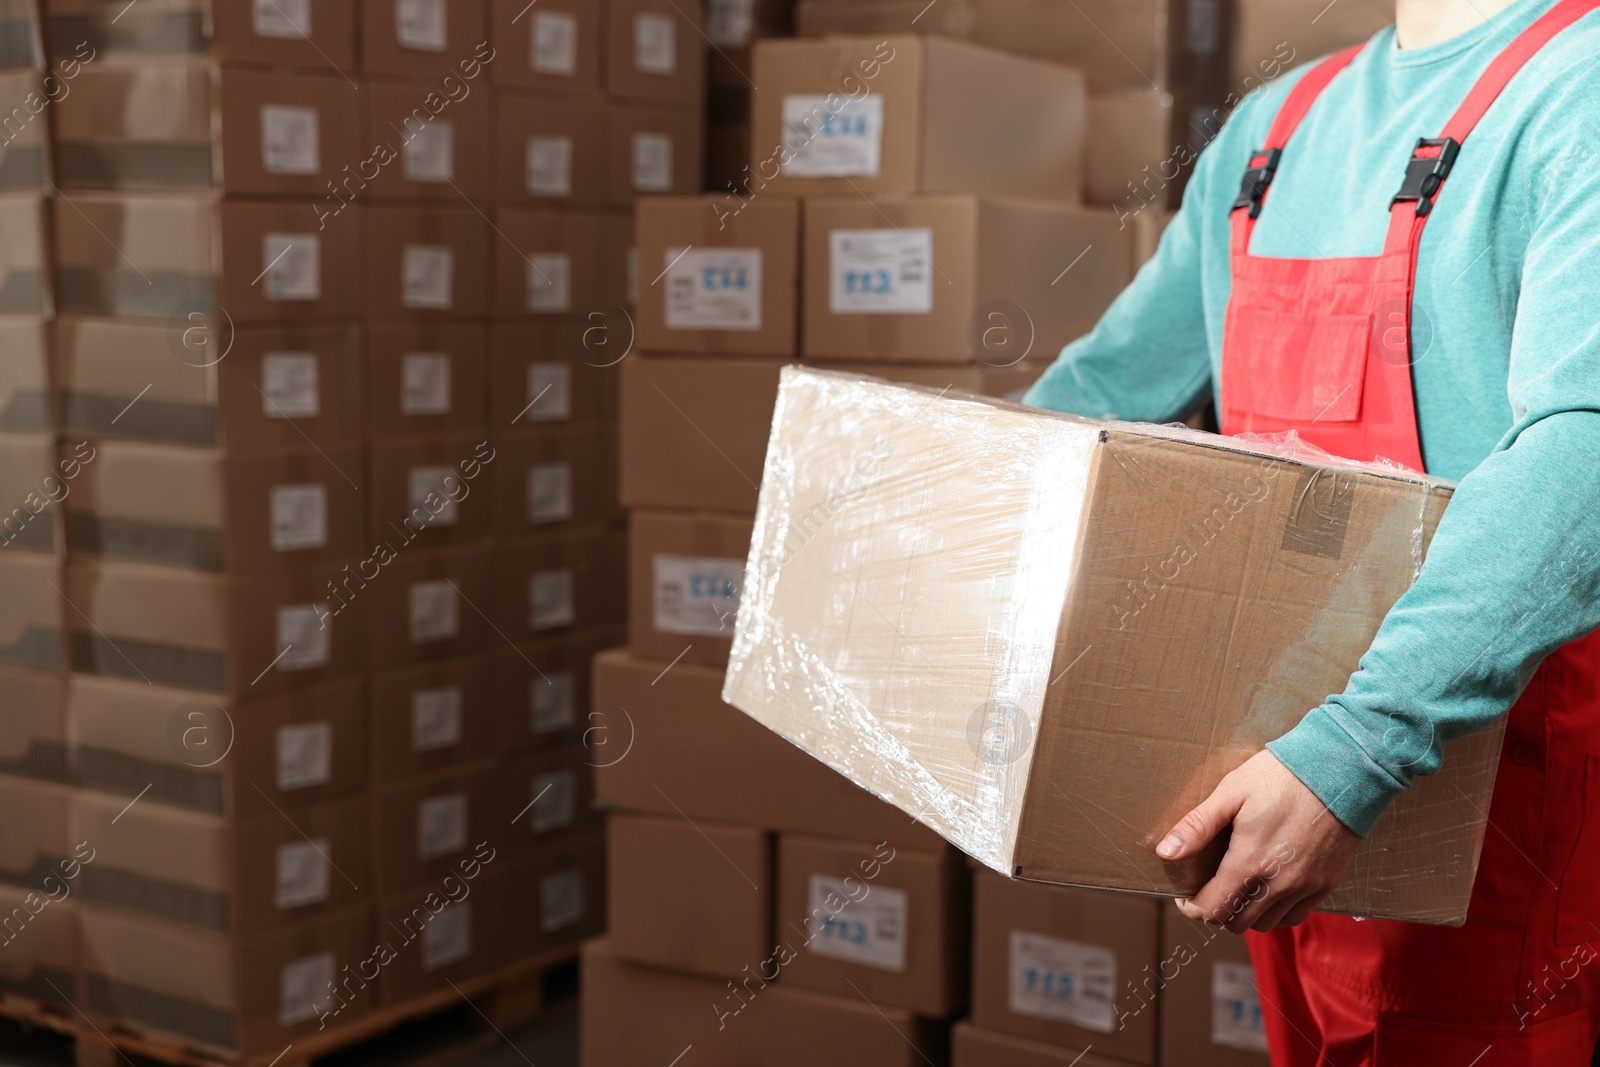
x: 1507, y: 371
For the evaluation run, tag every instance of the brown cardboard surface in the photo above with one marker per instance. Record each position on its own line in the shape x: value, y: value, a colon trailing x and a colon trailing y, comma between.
x: 426, y: 262
x: 1210, y: 1014
x: 25, y: 398
x: 668, y: 725
x: 689, y: 897
x: 206, y: 510
x: 995, y: 376
x: 655, y: 52
x: 652, y: 151
x: 554, y: 48
x: 1128, y: 132
x: 567, y: 579
x: 425, y: 39
x: 33, y: 483
x: 429, y: 717
x: 554, y: 369
x: 33, y: 739
x: 434, y: 137
x: 315, y: 36
x: 20, y: 26
x: 555, y: 477
x: 685, y: 574
x: 212, y: 633
x: 25, y: 275
x: 427, y: 378
x: 550, y: 151
x: 444, y: 931
x: 25, y: 160
x: 952, y: 116
x: 425, y: 492
x: 542, y: 796
x: 560, y: 894
x: 42, y: 845
x: 32, y: 613
x: 972, y: 1047
x: 428, y: 604
x: 237, y: 877
x: 1275, y: 36
x: 542, y: 693
x: 244, y: 760
x: 212, y: 991
x: 1065, y: 966
x: 727, y: 253
x: 423, y: 827
x: 558, y: 262
x: 694, y: 431
x: 39, y: 931
x: 246, y: 389
x: 982, y: 254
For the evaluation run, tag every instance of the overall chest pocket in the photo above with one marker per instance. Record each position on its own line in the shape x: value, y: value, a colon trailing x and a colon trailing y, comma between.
x: 1294, y: 364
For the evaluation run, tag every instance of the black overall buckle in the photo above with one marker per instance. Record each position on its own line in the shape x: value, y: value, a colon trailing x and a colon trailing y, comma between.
x: 1257, y: 177
x: 1424, y: 174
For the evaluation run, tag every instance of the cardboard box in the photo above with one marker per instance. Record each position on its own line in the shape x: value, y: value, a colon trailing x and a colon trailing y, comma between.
x: 429, y: 604
x: 178, y: 257
x: 554, y: 48
x: 997, y: 376
x: 672, y: 725
x: 231, y: 635
x: 695, y: 897
x: 24, y: 269
x: 972, y: 1047
x: 32, y: 613
x: 212, y: 991
x: 1065, y: 966
x: 550, y: 151
x: 542, y: 795
x: 569, y: 876
x: 721, y: 282
x: 567, y: 579
x: 33, y: 738
x: 559, y: 262
x: 653, y: 150
x: 426, y: 261
x: 241, y: 515
x: 33, y: 483
x: 39, y: 930
x: 428, y: 492
x: 243, y: 760
x: 905, y: 114
x: 444, y: 932
x: 426, y: 140
x: 240, y: 877
x: 1272, y: 37
x: 278, y: 34
x: 40, y: 846
x: 655, y: 52
x: 25, y: 399
x: 21, y: 43
x: 914, y: 279
x: 424, y: 827
x: 245, y: 390
x: 427, y: 378
x: 637, y: 1014
x: 431, y: 717
x: 554, y: 478
x: 1137, y: 150
x: 685, y: 575
x: 422, y: 38
x: 542, y: 693
x: 556, y: 370
x: 24, y: 154
x: 1163, y: 531
x: 693, y: 431
x: 1210, y: 1011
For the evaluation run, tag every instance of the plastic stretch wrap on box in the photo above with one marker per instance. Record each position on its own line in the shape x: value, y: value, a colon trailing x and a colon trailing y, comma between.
x: 1047, y: 637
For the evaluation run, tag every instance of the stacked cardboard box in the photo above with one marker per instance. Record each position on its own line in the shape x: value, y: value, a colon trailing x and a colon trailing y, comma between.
x: 732, y: 29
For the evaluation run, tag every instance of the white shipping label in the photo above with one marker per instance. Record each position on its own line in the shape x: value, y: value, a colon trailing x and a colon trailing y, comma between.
x: 549, y: 392
x: 302, y: 873
x: 713, y: 289
x: 555, y: 798
x: 825, y: 142
x: 441, y: 826
x: 871, y: 929
x: 281, y: 18
x: 549, y: 166
x: 447, y: 938
x: 730, y: 23
x: 551, y: 602
x: 655, y: 44
x: 549, y: 282
x: 291, y: 266
x: 652, y: 162
x: 289, y: 386
x: 886, y: 272
x: 1065, y: 980
x: 420, y: 24
x: 429, y: 153
x: 299, y: 517
x: 428, y: 273
x: 425, y: 383
x: 435, y: 611
x: 552, y: 702
x: 560, y: 899
x: 289, y: 140
x: 1236, y: 1007
x: 555, y: 43
x: 304, y: 643
x: 305, y: 988
x: 549, y: 492
x: 305, y: 755
x: 696, y: 595
x: 435, y: 718
x: 430, y: 491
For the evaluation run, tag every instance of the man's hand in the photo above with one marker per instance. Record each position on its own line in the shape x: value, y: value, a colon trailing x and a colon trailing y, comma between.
x: 1287, y: 851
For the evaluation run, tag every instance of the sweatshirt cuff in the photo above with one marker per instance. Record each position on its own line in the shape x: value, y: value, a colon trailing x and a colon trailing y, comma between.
x: 1324, y: 756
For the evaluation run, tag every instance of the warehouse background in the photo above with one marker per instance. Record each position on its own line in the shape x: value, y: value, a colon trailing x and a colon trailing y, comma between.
x: 384, y: 390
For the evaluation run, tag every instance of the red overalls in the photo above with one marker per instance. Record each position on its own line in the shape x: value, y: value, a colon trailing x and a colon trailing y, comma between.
x: 1322, y: 347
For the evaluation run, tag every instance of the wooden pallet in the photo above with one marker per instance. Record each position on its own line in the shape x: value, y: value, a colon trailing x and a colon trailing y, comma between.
x: 442, y: 1029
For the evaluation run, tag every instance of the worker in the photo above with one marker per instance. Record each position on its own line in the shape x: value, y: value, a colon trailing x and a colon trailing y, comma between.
x: 1394, y: 252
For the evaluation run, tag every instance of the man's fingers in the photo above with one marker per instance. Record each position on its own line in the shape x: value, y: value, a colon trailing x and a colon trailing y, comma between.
x: 1277, y: 908
x: 1300, y: 912
x: 1195, y: 830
